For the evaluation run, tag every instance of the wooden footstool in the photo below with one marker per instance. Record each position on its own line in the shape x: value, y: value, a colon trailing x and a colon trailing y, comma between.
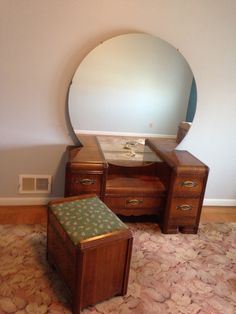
x: 90, y: 248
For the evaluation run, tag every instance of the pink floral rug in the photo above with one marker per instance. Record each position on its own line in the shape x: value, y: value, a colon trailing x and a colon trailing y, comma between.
x: 169, y: 273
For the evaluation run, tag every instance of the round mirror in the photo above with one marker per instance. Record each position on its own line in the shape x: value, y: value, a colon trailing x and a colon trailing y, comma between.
x: 133, y: 85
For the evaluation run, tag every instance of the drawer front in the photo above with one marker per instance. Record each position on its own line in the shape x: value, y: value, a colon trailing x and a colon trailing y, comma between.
x: 133, y: 202
x: 85, y: 183
x: 135, y: 206
x: 188, y: 186
x: 184, y: 210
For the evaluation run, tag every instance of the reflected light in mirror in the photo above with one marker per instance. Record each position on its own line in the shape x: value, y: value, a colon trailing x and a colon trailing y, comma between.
x: 134, y: 85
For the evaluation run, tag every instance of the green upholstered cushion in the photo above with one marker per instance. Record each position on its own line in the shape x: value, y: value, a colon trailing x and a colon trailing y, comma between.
x: 86, y: 218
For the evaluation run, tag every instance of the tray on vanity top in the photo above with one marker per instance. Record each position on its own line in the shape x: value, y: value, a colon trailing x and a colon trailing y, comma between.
x: 125, y: 151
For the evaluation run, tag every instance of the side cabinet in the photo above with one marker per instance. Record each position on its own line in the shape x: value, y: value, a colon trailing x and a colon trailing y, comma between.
x: 85, y: 179
x: 185, y: 194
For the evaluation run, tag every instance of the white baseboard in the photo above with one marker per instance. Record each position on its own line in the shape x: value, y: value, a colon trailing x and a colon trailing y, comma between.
x: 15, y: 201
x: 219, y: 202
x: 44, y: 200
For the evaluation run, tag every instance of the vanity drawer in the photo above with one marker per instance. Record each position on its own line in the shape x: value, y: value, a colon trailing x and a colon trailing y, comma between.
x: 133, y: 202
x: 84, y: 183
x: 188, y: 186
x: 135, y: 205
x: 184, y: 210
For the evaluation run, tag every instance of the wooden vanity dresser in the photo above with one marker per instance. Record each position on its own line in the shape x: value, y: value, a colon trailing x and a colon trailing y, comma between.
x: 137, y: 177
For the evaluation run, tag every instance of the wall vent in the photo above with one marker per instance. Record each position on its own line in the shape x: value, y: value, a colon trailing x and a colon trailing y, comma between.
x: 35, y: 183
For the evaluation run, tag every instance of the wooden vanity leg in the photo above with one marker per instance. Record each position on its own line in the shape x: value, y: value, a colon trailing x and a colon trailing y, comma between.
x: 170, y: 229
x: 188, y: 229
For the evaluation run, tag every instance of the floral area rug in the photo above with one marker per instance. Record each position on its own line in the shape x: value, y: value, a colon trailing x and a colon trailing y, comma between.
x: 169, y: 273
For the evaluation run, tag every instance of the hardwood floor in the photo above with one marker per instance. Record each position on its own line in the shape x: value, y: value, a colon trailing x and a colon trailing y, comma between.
x: 38, y: 214
x: 218, y: 214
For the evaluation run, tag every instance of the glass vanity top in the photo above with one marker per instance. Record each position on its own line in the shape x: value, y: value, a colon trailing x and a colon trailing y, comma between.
x: 126, y: 150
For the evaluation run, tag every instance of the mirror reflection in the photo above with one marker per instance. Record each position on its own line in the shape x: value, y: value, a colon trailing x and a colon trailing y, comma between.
x: 134, y: 85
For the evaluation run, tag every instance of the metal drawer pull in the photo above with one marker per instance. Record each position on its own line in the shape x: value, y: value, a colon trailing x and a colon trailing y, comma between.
x: 189, y: 184
x: 184, y: 207
x: 134, y: 202
x: 87, y: 181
